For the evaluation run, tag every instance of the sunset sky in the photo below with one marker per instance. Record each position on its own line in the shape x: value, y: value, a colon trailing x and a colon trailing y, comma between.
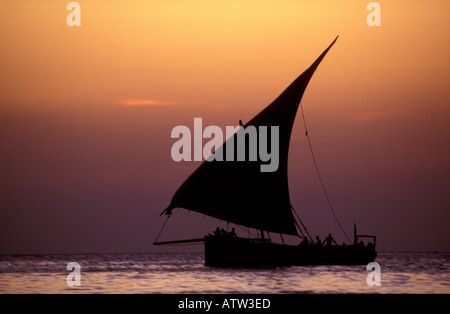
x: 86, y: 115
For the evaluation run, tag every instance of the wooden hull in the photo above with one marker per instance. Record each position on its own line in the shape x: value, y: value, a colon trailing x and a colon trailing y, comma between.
x: 243, y: 252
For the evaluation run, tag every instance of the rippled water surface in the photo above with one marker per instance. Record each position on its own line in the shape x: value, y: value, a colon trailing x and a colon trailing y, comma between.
x: 185, y: 273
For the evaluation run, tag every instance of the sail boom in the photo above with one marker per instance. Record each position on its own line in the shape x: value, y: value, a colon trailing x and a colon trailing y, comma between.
x: 179, y: 241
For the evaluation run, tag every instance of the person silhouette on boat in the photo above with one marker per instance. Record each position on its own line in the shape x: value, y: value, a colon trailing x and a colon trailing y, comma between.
x: 318, y: 242
x: 217, y: 232
x: 329, y: 240
x: 305, y: 242
x: 232, y: 233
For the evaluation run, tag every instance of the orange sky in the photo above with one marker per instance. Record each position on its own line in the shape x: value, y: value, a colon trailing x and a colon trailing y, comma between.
x: 378, y: 106
x: 217, y: 53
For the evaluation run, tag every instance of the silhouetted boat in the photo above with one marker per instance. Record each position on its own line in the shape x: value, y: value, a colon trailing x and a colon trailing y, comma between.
x: 238, y: 192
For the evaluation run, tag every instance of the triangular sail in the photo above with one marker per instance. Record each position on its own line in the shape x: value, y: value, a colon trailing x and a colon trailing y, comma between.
x: 237, y: 191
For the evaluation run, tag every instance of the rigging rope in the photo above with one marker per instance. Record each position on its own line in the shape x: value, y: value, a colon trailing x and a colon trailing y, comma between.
x: 162, y: 228
x: 307, y: 232
x: 318, y: 174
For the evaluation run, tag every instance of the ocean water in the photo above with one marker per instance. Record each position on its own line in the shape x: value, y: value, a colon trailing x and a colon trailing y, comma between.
x: 171, y: 273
